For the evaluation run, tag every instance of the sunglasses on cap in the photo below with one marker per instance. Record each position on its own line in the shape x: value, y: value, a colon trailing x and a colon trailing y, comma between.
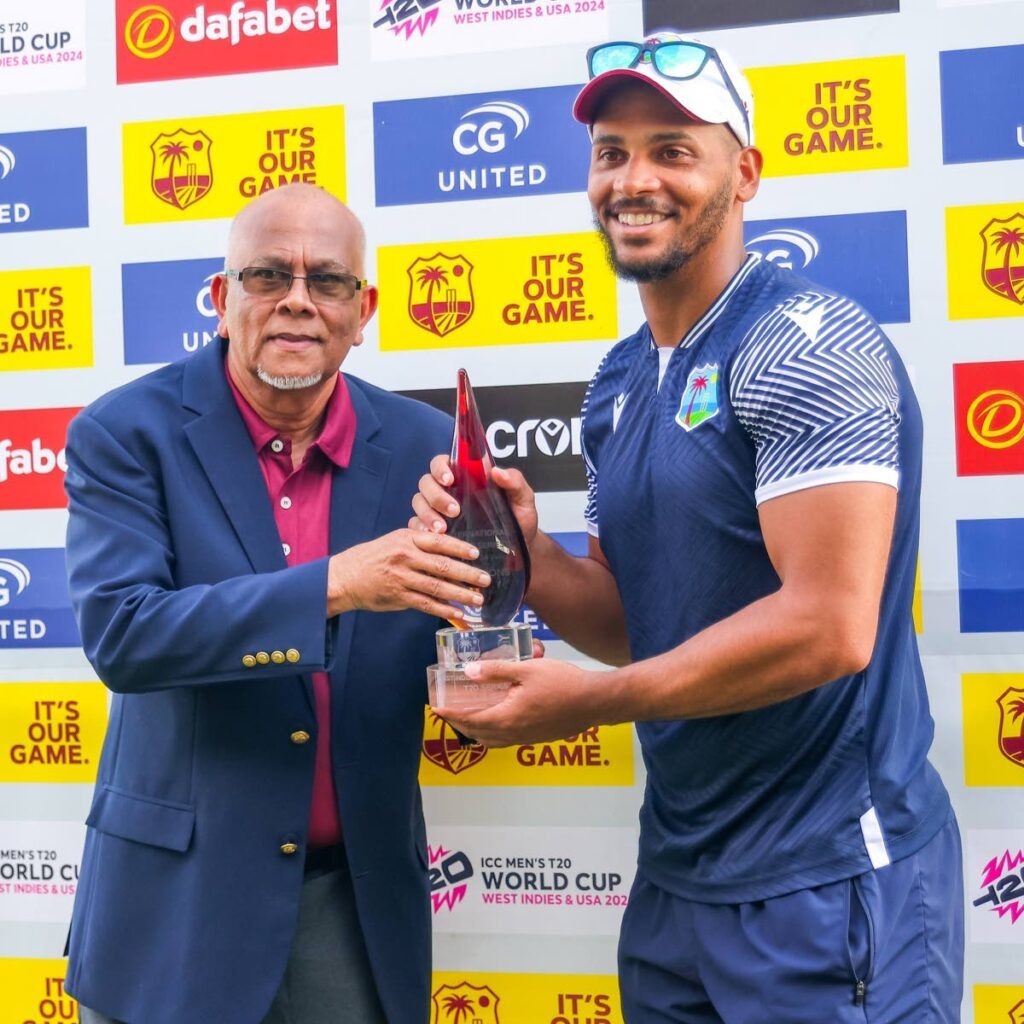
x: 678, y: 60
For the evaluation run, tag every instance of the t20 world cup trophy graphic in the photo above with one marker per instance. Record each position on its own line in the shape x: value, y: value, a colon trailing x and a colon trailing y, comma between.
x: 486, y: 521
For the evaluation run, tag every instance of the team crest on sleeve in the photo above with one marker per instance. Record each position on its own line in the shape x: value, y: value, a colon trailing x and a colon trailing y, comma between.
x: 700, y: 397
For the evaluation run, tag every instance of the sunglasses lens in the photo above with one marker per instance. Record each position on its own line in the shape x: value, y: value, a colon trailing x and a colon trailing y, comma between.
x: 615, y: 55
x: 679, y: 60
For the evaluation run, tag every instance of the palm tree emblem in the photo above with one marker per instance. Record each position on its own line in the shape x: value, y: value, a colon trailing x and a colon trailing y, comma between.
x: 1003, y: 269
x: 457, y: 1007
x: 182, y: 172
x: 700, y: 398
x: 1011, y: 725
x: 440, y: 293
x: 465, y: 1003
x: 441, y: 747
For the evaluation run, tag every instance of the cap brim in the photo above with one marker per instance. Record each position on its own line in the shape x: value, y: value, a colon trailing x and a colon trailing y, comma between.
x: 593, y: 93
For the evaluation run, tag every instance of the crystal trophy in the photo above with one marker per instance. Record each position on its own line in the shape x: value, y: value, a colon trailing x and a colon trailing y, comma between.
x: 486, y: 521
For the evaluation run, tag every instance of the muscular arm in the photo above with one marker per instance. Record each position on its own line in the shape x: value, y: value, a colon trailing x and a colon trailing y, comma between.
x: 829, y: 546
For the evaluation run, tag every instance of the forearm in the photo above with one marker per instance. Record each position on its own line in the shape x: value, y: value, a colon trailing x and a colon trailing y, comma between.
x: 577, y: 597
x: 771, y: 650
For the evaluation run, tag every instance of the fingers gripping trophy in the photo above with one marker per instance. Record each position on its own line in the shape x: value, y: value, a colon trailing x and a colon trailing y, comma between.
x: 485, y: 520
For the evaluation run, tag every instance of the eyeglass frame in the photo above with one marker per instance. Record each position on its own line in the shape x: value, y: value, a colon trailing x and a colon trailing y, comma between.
x: 361, y: 284
x: 710, y: 53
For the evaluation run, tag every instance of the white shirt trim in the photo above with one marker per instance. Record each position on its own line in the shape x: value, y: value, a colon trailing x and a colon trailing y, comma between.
x: 871, y: 829
x: 829, y: 475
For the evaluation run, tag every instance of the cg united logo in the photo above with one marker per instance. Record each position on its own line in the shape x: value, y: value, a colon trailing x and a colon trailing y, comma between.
x: 13, y: 575
x: 442, y: 747
x: 786, y: 247
x: 1003, y: 886
x: 1003, y: 259
x: 477, y: 132
x: 7, y: 162
x: 1011, y: 725
x: 182, y: 171
x: 440, y: 293
x: 149, y: 32
x: 465, y: 1004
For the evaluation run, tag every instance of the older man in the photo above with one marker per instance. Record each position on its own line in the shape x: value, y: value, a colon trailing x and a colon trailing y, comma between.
x: 754, y: 456
x: 256, y: 848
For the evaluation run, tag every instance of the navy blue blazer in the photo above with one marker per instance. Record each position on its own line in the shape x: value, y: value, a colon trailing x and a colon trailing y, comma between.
x: 186, y: 903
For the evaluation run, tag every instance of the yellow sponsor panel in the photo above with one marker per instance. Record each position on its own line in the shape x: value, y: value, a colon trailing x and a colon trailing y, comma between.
x: 496, y: 291
x: 45, y: 318
x: 599, y: 756
x: 985, y: 260
x: 51, y: 732
x: 198, y: 168
x: 993, y: 728
x: 999, y: 1004
x: 33, y: 993
x: 847, y: 115
x: 477, y: 997
x: 918, y: 617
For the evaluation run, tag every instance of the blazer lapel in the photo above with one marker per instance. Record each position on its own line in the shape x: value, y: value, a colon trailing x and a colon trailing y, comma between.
x: 225, y: 451
x: 356, y: 495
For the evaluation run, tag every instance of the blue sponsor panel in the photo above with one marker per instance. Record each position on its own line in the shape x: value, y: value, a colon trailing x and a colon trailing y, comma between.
x: 575, y: 544
x: 862, y: 255
x: 479, y: 146
x: 35, y: 609
x: 43, y: 180
x: 990, y: 563
x: 167, y: 308
x: 982, y: 114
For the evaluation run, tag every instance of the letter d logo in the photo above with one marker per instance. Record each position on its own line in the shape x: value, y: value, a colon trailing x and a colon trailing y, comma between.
x: 149, y: 32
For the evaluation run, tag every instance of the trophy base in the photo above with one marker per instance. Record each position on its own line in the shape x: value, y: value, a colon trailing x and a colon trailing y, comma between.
x: 451, y: 690
x: 447, y: 683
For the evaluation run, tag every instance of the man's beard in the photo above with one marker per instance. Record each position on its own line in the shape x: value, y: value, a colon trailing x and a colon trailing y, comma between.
x: 705, y: 230
x: 288, y: 383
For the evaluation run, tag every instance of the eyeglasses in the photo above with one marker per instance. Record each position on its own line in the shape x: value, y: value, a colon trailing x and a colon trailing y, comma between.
x: 672, y: 59
x: 273, y: 283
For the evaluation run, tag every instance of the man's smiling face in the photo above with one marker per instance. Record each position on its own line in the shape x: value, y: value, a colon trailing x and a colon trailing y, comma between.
x: 662, y: 185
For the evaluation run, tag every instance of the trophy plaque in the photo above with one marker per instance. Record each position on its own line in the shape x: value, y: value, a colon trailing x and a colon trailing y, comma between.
x: 486, y: 521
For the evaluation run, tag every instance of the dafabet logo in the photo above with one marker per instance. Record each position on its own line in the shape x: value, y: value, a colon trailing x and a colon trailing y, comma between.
x: 496, y: 291
x: 846, y: 115
x: 32, y: 459
x: 197, y: 168
x: 985, y: 260
x: 183, y: 39
x: 988, y: 399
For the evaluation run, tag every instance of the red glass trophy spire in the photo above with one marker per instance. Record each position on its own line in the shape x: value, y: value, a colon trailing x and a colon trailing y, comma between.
x: 485, y: 517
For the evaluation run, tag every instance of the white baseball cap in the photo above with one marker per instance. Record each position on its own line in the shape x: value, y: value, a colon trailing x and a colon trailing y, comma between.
x: 702, y: 81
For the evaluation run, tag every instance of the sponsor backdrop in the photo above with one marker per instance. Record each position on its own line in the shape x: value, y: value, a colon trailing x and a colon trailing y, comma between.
x: 132, y: 130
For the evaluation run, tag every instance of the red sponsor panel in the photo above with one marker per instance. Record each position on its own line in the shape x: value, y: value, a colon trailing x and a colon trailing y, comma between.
x: 988, y: 399
x: 32, y: 460
x: 185, y: 39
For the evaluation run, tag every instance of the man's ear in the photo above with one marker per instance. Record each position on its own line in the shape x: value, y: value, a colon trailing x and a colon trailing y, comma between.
x: 219, y: 295
x: 749, y: 164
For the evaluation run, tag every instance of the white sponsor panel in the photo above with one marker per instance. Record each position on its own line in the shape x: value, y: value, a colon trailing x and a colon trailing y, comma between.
x: 541, y: 881
x: 438, y: 28
x: 995, y: 885
x: 39, y: 862
x: 42, y: 46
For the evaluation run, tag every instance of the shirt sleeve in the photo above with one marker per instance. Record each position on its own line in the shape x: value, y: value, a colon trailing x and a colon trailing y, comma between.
x: 813, y: 386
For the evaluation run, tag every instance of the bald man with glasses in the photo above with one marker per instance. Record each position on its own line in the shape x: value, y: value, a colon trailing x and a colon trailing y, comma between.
x: 245, y: 586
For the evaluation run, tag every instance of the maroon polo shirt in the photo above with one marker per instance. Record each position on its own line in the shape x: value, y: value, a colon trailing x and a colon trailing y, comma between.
x: 301, y: 499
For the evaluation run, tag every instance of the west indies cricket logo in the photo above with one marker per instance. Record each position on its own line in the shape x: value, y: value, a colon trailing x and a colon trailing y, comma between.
x: 182, y: 171
x: 465, y: 1004
x: 442, y: 746
x: 1003, y: 260
x: 1011, y: 725
x: 440, y: 293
